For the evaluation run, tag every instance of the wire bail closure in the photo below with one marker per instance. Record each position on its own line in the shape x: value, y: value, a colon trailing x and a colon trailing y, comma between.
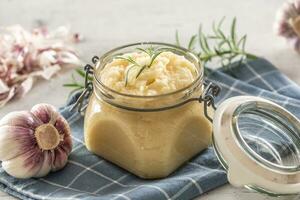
x: 88, y: 87
x: 211, y: 91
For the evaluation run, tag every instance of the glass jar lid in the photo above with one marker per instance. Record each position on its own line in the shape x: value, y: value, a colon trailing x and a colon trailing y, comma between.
x: 258, y: 143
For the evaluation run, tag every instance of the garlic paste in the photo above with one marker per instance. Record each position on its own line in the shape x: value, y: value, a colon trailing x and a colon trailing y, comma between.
x: 148, y: 144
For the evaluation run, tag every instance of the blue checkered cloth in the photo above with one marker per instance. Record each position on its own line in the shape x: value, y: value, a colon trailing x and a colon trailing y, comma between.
x: 87, y: 176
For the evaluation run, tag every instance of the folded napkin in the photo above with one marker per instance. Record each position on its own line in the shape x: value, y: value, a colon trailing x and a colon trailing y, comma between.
x: 88, y: 176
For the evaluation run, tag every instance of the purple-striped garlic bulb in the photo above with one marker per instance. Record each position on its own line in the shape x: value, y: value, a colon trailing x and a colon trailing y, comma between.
x: 287, y: 23
x: 35, y: 142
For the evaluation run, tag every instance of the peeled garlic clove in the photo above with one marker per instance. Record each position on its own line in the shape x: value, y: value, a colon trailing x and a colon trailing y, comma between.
x: 12, y: 137
x: 33, y: 143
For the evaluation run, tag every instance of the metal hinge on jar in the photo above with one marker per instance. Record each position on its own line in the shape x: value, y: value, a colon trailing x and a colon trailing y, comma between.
x: 88, y: 87
x: 211, y: 90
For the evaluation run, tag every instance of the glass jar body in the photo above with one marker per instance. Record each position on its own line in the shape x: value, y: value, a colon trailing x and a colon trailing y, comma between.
x: 148, y: 144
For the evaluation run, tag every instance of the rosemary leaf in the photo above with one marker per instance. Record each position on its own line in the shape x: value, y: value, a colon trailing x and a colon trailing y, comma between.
x: 191, y: 45
x: 154, y: 56
x: 221, y: 22
x: 71, y: 85
x: 177, y: 38
x: 214, y: 28
x: 242, y: 42
x: 250, y: 56
x: 233, y: 32
x: 128, y: 59
x: 206, y: 44
x: 140, y: 71
x: 212, y: 37
x: 220, y: 44
x: 151, y: 50
x: 80, y: 72
x: 202, y: 41
x: 145, y: 51
x: 222, y: 35
x: 128, y: 73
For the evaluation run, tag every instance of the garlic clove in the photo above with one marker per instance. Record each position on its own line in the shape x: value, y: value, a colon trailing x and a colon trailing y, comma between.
x: 46, y: 166
x: 15, y: 139
x: 64, y: 129
x: 60, y: 159
x: 25, y: 165
x: 45, y: 112
x: 21, y: 118
x: 66, y: 144
x: 62, y: 125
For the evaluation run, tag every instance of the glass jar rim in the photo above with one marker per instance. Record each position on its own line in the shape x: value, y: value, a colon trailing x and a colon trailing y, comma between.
x: 185, y: 51
x: 278, y: 116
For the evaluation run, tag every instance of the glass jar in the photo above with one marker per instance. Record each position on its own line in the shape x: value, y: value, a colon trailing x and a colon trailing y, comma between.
x: 149, y: 136
x: 256, y: 140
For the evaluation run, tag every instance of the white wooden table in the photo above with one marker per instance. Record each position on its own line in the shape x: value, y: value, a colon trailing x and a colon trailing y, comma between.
x: 107, y: 24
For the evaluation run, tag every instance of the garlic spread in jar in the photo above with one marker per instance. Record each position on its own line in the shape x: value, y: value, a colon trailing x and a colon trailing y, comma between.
x: 133, y: 73
x: 125, y: 122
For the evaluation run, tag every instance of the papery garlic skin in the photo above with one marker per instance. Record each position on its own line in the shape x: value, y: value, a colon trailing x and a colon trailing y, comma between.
x: 287, y: 23
x: 33, y: 143
x: 28, y: 55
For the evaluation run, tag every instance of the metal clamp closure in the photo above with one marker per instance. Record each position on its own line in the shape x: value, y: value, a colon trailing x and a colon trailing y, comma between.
x: 208, y: 97
x: 88, y: 86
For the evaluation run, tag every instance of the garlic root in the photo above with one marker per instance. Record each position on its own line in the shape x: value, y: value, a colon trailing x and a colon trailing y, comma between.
x: 47, y: 137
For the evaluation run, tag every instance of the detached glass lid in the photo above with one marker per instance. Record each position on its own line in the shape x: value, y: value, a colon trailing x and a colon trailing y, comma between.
x: 258, y: 142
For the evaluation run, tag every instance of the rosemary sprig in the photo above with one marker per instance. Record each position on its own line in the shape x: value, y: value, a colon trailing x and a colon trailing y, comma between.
x: 177, y: 38
x: 128, y: 59
x: 150, y: 51
x: 225, y: 48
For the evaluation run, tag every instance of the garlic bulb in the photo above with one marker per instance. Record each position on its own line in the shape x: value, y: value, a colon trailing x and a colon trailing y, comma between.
x: 288, y: 23
x: 33, y: 143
